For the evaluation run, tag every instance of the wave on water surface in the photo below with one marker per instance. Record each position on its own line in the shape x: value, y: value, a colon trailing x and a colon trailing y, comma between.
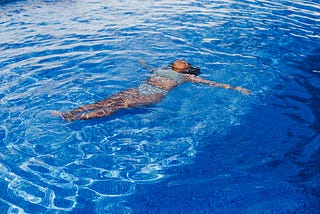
x: 58, y: 55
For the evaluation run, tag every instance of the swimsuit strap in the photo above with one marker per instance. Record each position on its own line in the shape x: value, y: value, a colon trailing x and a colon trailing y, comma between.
x: 170, y: 74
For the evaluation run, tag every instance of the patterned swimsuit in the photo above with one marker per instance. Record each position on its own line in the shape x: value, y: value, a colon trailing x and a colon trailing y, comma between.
x: 148, y: 89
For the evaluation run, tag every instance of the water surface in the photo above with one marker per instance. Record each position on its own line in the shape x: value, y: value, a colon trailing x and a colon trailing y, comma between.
x: 202, y: 150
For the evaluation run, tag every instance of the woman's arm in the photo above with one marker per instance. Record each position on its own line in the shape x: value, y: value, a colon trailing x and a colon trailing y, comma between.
x: 146, y: 66
x: 197, y: 79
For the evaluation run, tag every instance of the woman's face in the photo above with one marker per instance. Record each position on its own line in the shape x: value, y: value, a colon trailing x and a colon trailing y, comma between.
x: 180, y: 65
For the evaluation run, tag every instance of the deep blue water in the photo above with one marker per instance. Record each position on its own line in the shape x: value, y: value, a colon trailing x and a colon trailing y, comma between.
x: 201, y: 150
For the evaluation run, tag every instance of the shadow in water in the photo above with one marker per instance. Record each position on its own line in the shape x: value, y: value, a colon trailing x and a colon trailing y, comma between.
x: 310, y: 82
x: 306, y: 152
x: 311, y: 64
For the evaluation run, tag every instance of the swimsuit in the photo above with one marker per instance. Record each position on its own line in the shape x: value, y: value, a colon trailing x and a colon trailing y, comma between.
x: 170, y: 74
x: 148, y: 89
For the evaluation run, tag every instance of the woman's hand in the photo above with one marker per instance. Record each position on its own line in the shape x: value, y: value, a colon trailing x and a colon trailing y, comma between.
x: 243, y: 90
x: 144, y: 64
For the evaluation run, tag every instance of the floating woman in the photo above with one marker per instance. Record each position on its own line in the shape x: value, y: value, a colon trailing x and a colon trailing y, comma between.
x: 152, y: 91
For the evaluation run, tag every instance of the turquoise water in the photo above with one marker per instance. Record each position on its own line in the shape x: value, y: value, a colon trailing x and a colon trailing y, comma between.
x: 202, y: 149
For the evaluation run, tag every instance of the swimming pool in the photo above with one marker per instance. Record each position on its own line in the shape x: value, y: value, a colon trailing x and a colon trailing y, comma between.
x: 201, y: 150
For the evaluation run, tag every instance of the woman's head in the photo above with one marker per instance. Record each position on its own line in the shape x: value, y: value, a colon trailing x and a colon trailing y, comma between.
x: 180, y: 65
x: 184, y: 67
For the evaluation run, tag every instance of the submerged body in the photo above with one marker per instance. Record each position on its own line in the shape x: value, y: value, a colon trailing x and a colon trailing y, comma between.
x: 151, y: 91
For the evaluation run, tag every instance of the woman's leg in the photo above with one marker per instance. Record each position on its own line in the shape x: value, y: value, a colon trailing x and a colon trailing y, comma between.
x: 102, y: 112
x: 125, y: 99
x: 100, y: 109
x: 98, y: 106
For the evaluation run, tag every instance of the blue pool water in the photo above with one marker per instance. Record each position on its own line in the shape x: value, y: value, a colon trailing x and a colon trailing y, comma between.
x: 201, y: 150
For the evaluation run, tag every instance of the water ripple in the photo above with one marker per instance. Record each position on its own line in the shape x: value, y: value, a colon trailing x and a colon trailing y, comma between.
x: 57, y: 55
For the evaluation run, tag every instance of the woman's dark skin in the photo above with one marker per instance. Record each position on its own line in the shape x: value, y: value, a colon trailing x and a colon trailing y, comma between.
x: 133, y: 98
